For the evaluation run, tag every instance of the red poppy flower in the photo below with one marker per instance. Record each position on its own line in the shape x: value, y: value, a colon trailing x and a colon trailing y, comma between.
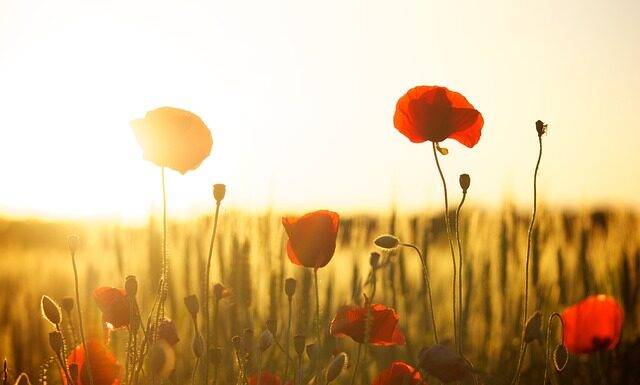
x: 312, y: 238
x: 266, y: 378
x: 105, y: 370
x: 174, y: 138
x: 595, y: 323
x: 399, y: 373
x: 350, y: 321
x: 114, y: 306
x: 436, y: 113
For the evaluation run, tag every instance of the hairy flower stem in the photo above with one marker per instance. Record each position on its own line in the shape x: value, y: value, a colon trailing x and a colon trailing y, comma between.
x: 286, y: 339
x: 516, y: 378
x: 207, y: 278
x: 460, y: 322
x: 425, y: 277
x: 319, y: 354
x: 163, y: 287
x: 84, y: 341
x: 453, y: 255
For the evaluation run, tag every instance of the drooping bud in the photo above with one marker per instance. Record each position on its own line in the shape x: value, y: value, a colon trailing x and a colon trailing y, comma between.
x: 465, y: 182
x: 73, y: 241
x: 198, y: 345
x: 290, y: 287
x: 533, y: 328
x: 131, y: 285
x: 265, y: 340
x: 219, y: 191
x: 272, y: 326
x: 541, y: 127
x: 560, y: 357
x: 374, y: 260
x: 67, y: 304
x: 336, y: 366
x: 298, y: 343
x: 192, y: 304
x: 56, y: 342
x: 387, y: 241
x: 50, y: 310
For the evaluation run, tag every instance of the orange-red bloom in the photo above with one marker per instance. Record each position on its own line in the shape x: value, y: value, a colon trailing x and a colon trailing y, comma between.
x: 105, y: 370
x: 436, y: 113
x: 312, y: 238
x: 114, y: 306
x: 399, y: 373
x: 174, y: 138
x: 266, y: 378
x: 595, y: 323
x: 383, y: 327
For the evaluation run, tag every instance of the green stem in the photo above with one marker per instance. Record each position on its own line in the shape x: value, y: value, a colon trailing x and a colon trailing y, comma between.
x: 318, y: 335
x: 355, y: 368
x: 460, y: 324
x: 286, y: 338
x: 207, y: 279
x: 84, y: 342
x: 453, y: 255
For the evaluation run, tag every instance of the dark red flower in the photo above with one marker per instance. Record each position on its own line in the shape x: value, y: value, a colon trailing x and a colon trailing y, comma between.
x: 383, y: 330
x: 105, y: 370
x: 436, y: 113
x: 266, y: 378
x: 174, y: 138
x: 114, y: 306
x: 399, y: 373
x: 312, y: 238
x: 593, y: 324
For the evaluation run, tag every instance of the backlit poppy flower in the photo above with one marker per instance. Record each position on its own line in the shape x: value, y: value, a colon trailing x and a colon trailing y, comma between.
x: 312, y: 238
x: 114, y: 306
x: 399, y: 373
x: 436, y: 113
x: 593, y: 324
x: 383, y: 330
x: 105, y: 370
x: 174, y: 138
x: 266, y: 378
x: 443, y: 363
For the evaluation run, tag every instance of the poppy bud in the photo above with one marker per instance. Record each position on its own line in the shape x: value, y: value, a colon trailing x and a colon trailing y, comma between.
x: 533, y: 328
x: 73, y: 371
x: 50, y: 310
x: 374, y: 260
x: 168, y: 332
x: 215, y: 355
x: 219, y: 190
x: 387, y: 241
x: 541, y: 127
x: 298, y: 344
x: 247, y: 339
x: 272, y: 326
x: 237, y: 342
x: 218, y: 291
x: 265, y: 340
x: 162, y: 359
x: 67, y: 304
x: 56, y: 342
x: 560, y: 357
x: 336, y: 366
x: 192, y: 304
x: 198, y: 345
x: 465, y: 182
x: 131, y: 285
x: 290, y: 286
x: 73, y: 240
x: 312, y: 351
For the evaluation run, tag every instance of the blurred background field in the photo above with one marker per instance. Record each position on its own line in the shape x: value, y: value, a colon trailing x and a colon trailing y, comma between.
x: 575, y: 253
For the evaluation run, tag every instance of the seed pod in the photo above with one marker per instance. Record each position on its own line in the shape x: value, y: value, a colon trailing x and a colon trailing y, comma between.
x: 560, y: 357
x: 50, y: 310
x: 290, y: 287
x: 219, y: 191
x: 374, y: 260
x: 131, y: 285
x: 465, y: 182
x: 298, y: 344
x: 56, y: 341
x: 67, y: 304
x: 387, y: 241
x: 541, y: 127
x: 336, y: 366
x: 198, y: 345
x: 265, y: 340
x: 533, y: 328
x: 73, y: 241
x: 272, y: 326
x: 192, y: 304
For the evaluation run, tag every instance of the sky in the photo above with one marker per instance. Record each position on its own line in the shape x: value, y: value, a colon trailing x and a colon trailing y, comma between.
x: 299, y: 97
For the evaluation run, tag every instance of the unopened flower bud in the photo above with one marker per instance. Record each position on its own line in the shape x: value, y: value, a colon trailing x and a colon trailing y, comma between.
x: 56, y: 342
x: 131, y: 285
x: 272, y: 326
x: 541, y: 127
x: 73, y: 240
x: 298, y: 344
x: 533, y: 328
x: 50, y: 310
x: 387, y: 241
x: 219, y: 190
x: 465, y: 182
x: 192, y: 304
x: 560, y: 357
x: 265, y: 340
x: 374, y: 260
x: 198, y: 345
x: 290, y: 287
x: 67, y: 304
x: 336, y: 366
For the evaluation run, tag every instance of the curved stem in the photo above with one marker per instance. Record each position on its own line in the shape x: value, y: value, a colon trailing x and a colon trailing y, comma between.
x: 84, y: 342
x: 453, y: 255
x: 516, y: 379
x: 546, y: 358
x: 461, y: 328
x: 425, y: 277
x: 207, y: 278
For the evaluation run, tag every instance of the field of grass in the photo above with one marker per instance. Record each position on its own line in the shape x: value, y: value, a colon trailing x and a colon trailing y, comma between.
x: 574, y: 254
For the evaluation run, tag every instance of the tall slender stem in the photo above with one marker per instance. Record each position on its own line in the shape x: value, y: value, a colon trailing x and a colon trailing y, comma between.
x: 207, y: 279
x: 453, y: 255
x: 84, y: 341
x: 286, y: 338
x: 425, y: 277
x: 516, y: 378
x: 318, y: 335
x: 355, y: 368
x: 163, y: 287
x: 460, y: 323
x: 547, y: 352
